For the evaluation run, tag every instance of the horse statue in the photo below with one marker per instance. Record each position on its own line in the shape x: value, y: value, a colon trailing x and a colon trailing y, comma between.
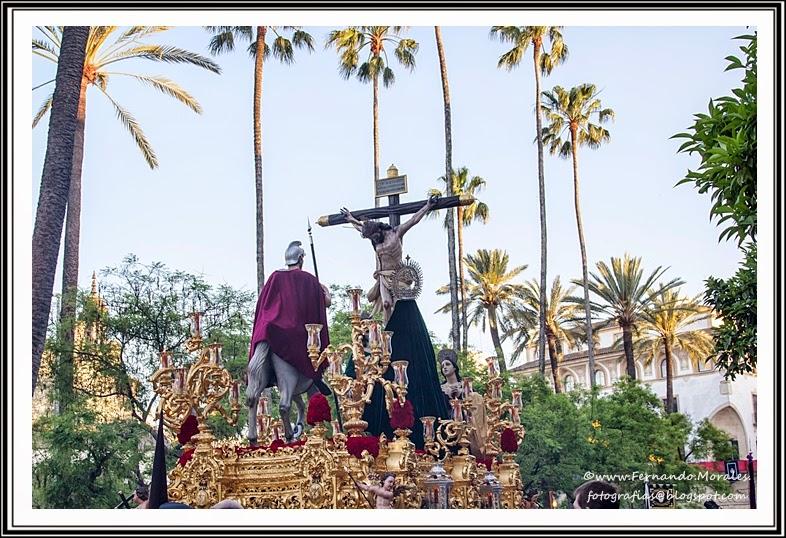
x: 264, y: 367
x: 290, y: 299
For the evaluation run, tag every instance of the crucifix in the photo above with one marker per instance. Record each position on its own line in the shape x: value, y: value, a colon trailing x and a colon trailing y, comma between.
x: 393, y: 186
x: 386, y: 238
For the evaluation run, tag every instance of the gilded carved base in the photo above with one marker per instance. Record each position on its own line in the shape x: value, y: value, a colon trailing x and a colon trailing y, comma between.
x: 320, y: 473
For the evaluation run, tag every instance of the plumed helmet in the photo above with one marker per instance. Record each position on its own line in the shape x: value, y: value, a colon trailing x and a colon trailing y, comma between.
x: 294, y: 253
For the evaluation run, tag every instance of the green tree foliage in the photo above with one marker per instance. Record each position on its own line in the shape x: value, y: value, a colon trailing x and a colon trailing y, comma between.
x: 725, y: 138
x: 79, y: 462
x: 463, y: 185
x: 143, y: 310
x: 491, y: 292
x: 561, y: 323
x: 734, y: 300
x: 710, y: 442
x: 664, y: 330
x: 339, y: 319
x: 622, y: 294
x: 624, y: 432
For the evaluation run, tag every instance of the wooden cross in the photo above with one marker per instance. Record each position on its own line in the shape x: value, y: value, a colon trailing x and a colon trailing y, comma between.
x: 393, y: 212
x: 392, y: 186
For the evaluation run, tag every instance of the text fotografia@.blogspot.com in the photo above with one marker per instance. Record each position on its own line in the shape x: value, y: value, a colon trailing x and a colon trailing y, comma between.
x: 677, y: 496
x: 636, y: 476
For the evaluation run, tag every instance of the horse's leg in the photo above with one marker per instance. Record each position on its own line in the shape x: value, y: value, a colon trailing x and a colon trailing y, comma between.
x: 258, y: 374
x: 286, y: 378
x: 301, y: 417
x: 309, y: 388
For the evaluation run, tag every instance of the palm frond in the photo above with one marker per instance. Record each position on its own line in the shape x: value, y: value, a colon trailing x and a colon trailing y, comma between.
x: 512, y: 58
x: 405, y: 53
x: 302, y: 39
x: 168, y: 87
x: 283, y: 51
x: 130, y: 123
x: 45, y: 50
x: 45, y: 106
x: 388, y: 78
x: 164, y: 53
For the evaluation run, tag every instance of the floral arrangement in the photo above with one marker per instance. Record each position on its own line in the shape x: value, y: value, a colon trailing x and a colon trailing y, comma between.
x: 318, y: 409
x: 357, y: 444
x: 402, y: 417
x: 508, y: 441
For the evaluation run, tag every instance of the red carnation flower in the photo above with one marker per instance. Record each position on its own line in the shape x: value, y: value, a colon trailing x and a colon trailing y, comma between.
x: 508, y: 441
x: 318, y: 409
x: 402, y: 416
x: 356, y: 445
x: 275, y: 445
x: 185, y: 457
x: 486, y: 461
x: 188, y: 429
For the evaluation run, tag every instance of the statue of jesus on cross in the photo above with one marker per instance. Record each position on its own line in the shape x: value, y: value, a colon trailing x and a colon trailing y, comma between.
x: 387, y: 243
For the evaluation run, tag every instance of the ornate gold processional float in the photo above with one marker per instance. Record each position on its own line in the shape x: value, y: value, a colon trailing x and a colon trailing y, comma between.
x: 320, y: 471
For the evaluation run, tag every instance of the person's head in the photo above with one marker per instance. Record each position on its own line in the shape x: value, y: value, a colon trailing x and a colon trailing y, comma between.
x: 228, y: 503
x: 448, y: 364
x: 387, y: 481
x: 141, y: 493
x: 596, y: 494
x: 711, y: 505
x: 294, y: 255
x: 375, y: 231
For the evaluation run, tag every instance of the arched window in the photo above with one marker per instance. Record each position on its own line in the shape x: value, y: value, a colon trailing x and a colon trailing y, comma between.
x: 663, y: 369
x: 684, y: 364
x: 569, y: 383
x: 600, y: 378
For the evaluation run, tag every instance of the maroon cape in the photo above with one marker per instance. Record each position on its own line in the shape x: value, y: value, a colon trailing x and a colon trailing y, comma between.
x: 289, y: 300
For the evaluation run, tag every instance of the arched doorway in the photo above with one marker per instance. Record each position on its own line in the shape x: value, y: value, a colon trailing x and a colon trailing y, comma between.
x: 728, y: 420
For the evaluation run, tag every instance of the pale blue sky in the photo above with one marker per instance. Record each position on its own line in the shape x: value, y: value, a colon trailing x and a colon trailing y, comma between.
x: 196, y: 212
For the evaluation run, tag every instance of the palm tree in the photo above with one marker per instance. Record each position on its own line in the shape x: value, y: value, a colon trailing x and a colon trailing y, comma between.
x: 490, y: 293
x: 100, y: 55
x: 561, y: 316
x: 544, y: 62
x: 223, y: 40
x: 463, y: 184
x: 459, y: 342
x: 623, y: 295
x: 662, y: 329
x: 55, y: 181
x: 573, y: 111
x: 350, y: 42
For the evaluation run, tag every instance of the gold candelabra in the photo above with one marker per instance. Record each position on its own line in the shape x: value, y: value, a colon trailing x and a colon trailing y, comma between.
x: 370, y: 367
x: 199, y: 388
x: 497, y: 410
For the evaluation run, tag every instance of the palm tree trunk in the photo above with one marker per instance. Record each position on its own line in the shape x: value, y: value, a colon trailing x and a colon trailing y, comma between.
x: 376, y: 138
x: 455, y: 338
x: 555, y: 360
x: 260, y: 195
x: 583, y: 248
x: 494, y: 330
x: 542, y: 201
x: 464, y: 322
x: 627, y: 344
x: 65, y: 370
x: 669, y: 378
x: 55, y: 183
